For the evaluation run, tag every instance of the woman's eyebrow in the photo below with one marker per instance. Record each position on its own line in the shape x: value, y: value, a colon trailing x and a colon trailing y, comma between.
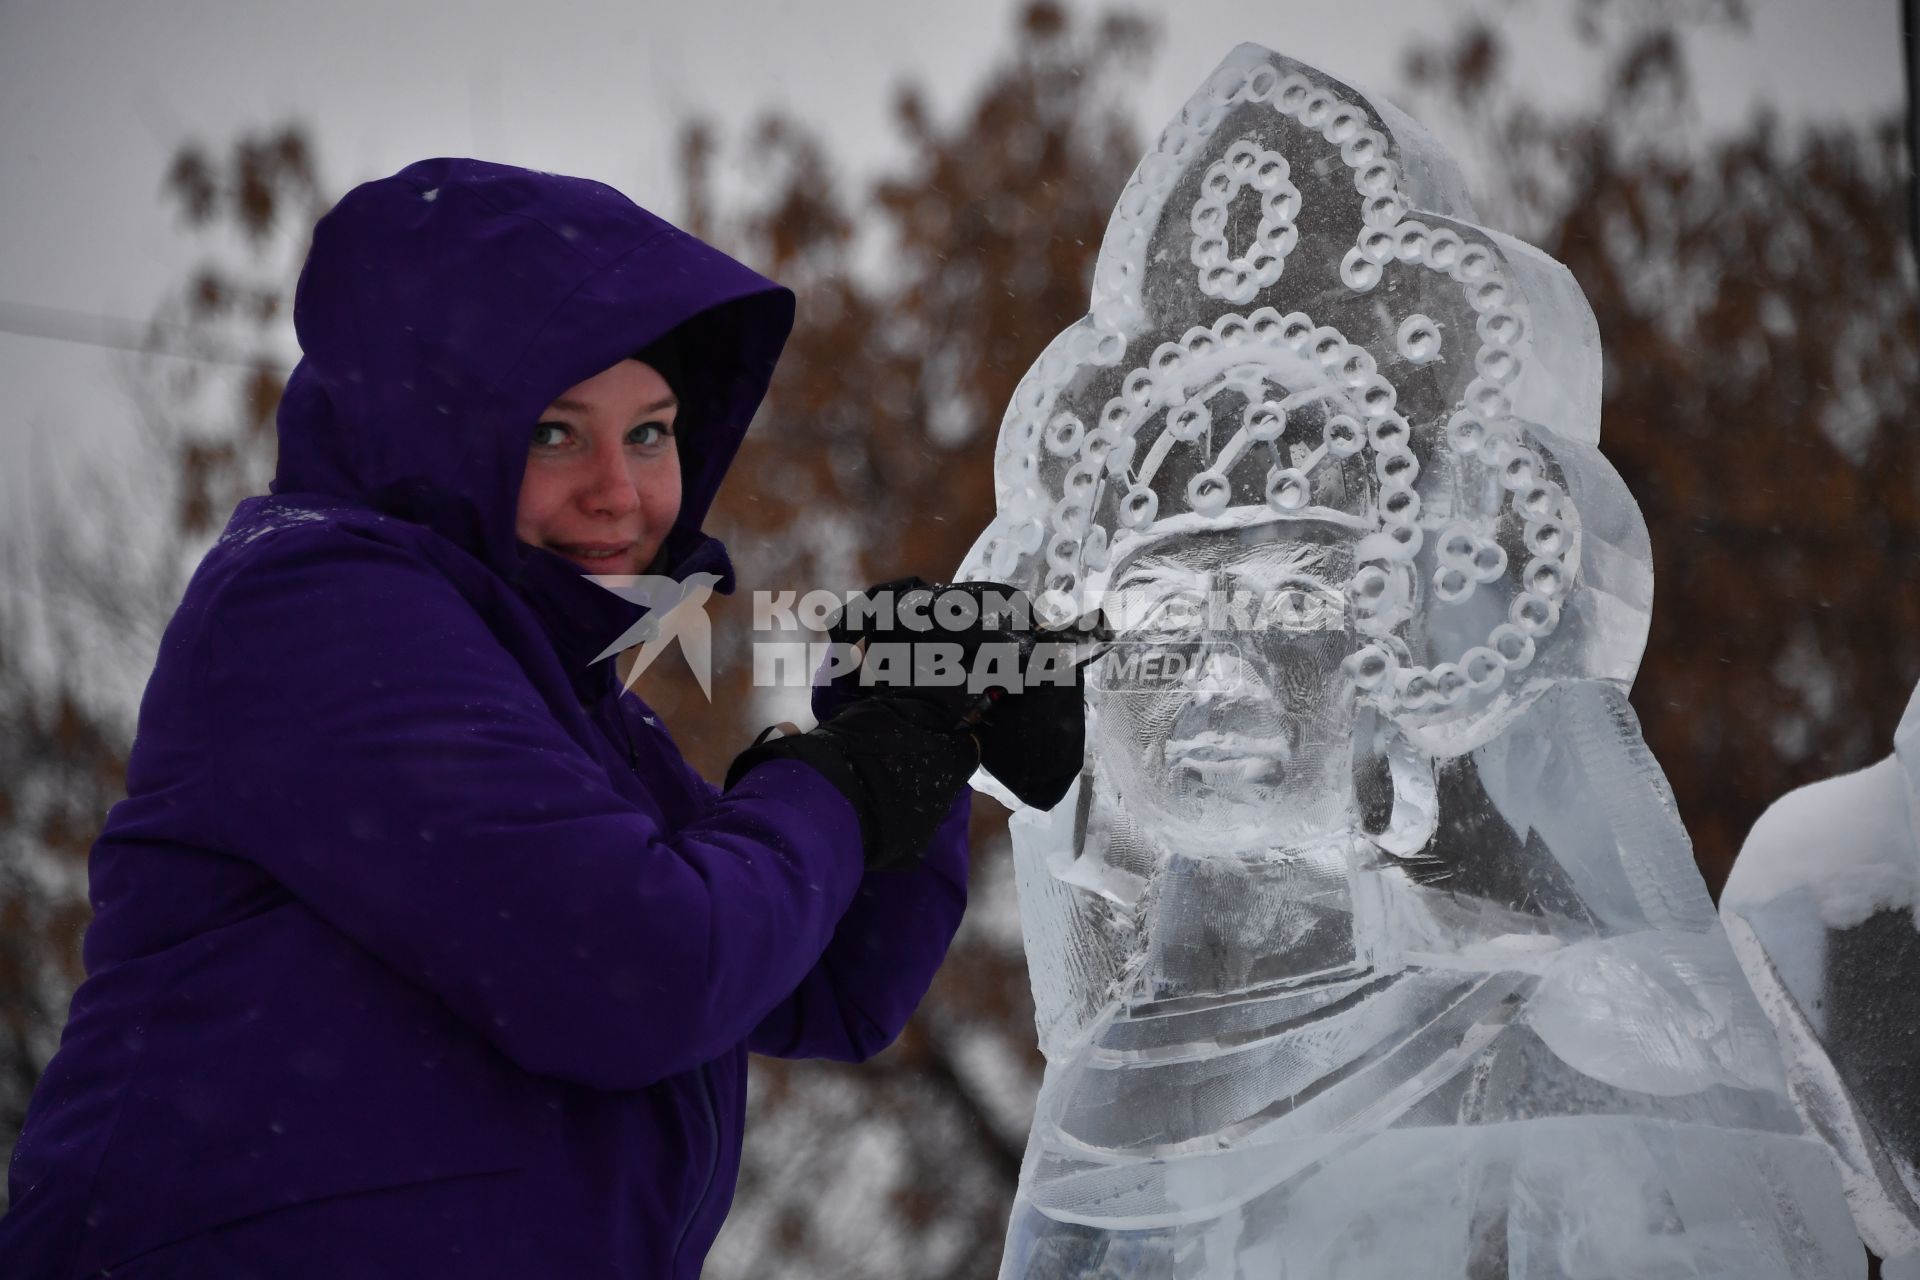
x: 574, y: 406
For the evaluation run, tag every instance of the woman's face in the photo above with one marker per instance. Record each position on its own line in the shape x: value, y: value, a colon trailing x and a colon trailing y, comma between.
x: 603, y: 471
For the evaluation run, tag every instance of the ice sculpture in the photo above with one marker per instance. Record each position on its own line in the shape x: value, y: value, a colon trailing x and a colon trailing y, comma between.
x: 1372, y: 947
x: 1821, y: 908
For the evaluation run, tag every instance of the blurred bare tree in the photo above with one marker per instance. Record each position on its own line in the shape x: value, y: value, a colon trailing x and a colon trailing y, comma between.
x: 1757, y: 302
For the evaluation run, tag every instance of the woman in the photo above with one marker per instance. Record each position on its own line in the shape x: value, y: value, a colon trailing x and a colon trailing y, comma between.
x: 418, y: 949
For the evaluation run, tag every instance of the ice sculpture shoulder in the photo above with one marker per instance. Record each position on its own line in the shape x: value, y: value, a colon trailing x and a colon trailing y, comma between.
x: 1823, y: 908
x: 1369, y: 931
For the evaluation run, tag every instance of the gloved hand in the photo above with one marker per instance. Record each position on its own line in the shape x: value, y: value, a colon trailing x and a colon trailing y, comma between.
x: 1032, y: 733
x: 899, y: 760
x: 1035, y: 741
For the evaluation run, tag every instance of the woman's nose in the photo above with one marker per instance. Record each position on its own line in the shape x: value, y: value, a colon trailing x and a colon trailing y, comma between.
x: 610, y: 489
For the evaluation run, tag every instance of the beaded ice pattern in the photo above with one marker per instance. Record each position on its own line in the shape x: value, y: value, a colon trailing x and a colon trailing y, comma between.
x: 1069, y: 487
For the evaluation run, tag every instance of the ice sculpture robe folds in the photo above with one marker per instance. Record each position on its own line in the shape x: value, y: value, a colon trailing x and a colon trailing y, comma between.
x: 1369, y: 944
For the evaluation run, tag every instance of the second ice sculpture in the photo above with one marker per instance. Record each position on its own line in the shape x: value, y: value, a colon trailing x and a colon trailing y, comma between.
x: 1369, y: 943
x: 1823, y: 909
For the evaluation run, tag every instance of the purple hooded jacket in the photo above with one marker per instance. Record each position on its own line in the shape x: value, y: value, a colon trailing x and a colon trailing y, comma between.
x: 418, y: 949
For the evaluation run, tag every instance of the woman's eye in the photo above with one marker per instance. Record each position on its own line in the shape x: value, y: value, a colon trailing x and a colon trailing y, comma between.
x: 650, y: 435
x: 548, y: 434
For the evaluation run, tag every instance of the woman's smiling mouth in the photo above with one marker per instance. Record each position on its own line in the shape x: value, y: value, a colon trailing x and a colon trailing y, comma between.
x: 596, y: 555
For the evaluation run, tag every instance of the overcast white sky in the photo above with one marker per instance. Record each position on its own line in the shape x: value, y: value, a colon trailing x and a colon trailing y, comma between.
x: 95, y: 95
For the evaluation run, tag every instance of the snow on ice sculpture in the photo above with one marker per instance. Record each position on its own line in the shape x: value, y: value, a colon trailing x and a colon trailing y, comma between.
x: 1823, y: 908
x: 1379, y: 945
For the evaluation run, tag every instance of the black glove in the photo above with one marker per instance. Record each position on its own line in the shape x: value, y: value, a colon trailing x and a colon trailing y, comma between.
x: 898, y: 759
x: 1033, y: 736
x: 1035, y: 741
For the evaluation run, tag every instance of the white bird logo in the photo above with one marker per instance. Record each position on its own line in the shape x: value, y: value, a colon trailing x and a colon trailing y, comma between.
x: 675, y: 611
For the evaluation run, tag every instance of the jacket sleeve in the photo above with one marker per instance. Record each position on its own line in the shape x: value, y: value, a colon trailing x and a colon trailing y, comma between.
x: 371, y: 744
x: 884, y: 954
x: 882, y: 959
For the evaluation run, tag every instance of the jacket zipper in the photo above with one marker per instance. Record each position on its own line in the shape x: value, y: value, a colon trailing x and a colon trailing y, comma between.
x: 713, y: 1164
x: 609, y: 708
x: 626, y: 731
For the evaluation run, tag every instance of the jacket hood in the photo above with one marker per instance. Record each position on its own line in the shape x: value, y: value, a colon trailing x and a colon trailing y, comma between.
x: 440, y: 310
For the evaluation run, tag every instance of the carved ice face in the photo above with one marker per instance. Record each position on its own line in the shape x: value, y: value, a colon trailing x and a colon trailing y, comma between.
x: 1257, y: 750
